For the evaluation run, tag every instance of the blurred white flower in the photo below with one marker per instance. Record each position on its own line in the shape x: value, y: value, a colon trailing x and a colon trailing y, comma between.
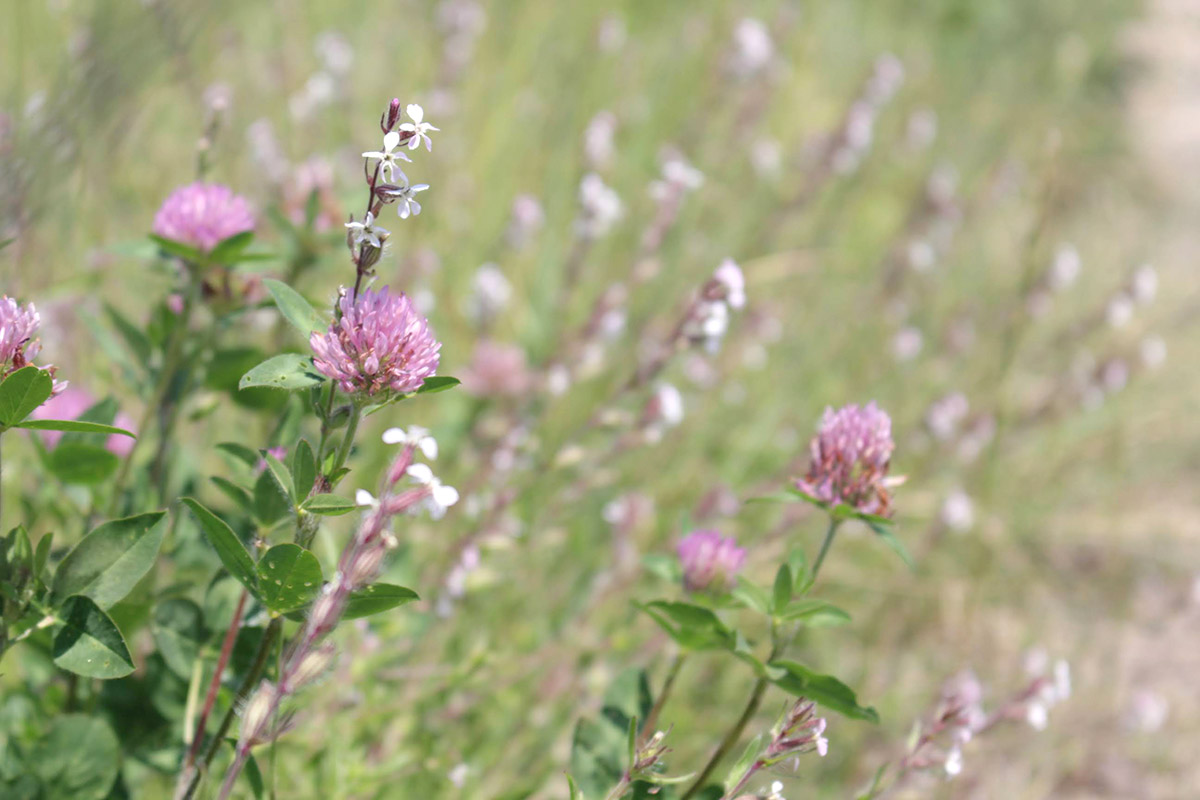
x: 1065, y: 268
x: 958, y: 512
x: 440, y: 497
x: 600, y: 207
x: 1152, y: 352
x: 753, y: 48
x: 907, y: 343
x: 598, y: 146
x: 1119, y: 310
x: 416, y: 436
x: 490, y: 294
x: 1144, y: 284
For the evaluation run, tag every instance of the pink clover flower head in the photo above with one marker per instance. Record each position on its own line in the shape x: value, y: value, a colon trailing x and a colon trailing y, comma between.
x: 850, y: 457
x: 69, y: 404
x: 381, y: 344
x: 18, y: 347
x: 18, y: 325
x: 203, y: 215
x: 709, y: 561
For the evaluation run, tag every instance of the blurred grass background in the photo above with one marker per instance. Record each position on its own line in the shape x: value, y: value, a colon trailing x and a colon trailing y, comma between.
x: 1085, y: 538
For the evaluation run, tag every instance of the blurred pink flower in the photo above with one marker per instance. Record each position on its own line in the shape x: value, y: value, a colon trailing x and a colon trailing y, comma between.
x: 70, y: 404
x: 381, y: 344
x: 709, y: 561
x: 497, y: 369
x: 203, y: 215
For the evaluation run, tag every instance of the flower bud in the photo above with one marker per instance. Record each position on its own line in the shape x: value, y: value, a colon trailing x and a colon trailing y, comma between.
x: 312, y: 666
x: 256, y: 712
x: 391, y: 117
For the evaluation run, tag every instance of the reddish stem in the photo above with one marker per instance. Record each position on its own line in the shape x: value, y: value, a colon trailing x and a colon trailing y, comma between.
x: 215, y: 685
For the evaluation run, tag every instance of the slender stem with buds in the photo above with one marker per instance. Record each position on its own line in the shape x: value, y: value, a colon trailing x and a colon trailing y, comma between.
x: 247, y: 684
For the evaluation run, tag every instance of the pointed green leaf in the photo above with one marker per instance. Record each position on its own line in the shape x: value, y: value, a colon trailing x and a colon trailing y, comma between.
x: 228, y: 250
x: 271, y: 504
x: 295, y: 308
x: 304, y: 469
x: 179, y: 633
x: 75, y: 462
x: 329, y: 505
x: 282, y: 475
x: 88, y: 643
x: 826, y: 690
x: 752, y: 596
x: 376, y: 598
x: 109, y: 561
x: 229, y: 548
x: 438, y: 383
x: 177, y: 249
x: 814, y: 613
x: 782, y: 592
x: 288, y: 577
x: 72, y: 426
x: 289, y: 371
x: 22, y: 392
x: 885, y: 533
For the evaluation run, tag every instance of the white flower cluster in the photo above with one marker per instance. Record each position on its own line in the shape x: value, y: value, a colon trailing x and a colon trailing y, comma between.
x: 440, y: 496
x: 709, y: 319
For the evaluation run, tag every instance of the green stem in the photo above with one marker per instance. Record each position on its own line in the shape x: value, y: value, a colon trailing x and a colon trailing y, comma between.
x: 668, y: 684
x: 170, y: 363
x: 348, y: 440
x: 829, y: 534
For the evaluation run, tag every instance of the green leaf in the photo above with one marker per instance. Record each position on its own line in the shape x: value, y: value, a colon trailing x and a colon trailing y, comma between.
x: 753, y: 747
x: 88, y: 643
x: 271, y: 504
x: 74, y: 462
x: 177, y: 249
x: 247, y: 455
x: 437, y: 383
x: 22, y: 392
x: 330, y: 505
x: 376, y: 598
x: 799, y: 680
x: 295, y: 308
x: 282, y: 475
x: 235, y: 493
x: 72, y: 426
x: 77, y: 759
x: 229, y: 548
x: 782, y: 591
x: 137, y: 342
x: 692, y: 627
x: 304, y: 469
x: 664, y: 566
x: 752, y: 596
x: 109, y: 561
x: 573, y: 789
x: 288, y: 577
x: 885, y: 533
x: 41, y: 555
x: 179, y: 633
x: 814, y: 613
x: 289, y: 371
x: 228, y: 250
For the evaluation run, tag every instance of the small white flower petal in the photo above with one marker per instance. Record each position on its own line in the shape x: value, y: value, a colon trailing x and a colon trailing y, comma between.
x: 415, y: 112
x: 390, y: 140
x: 364, y: 498
x: 394, y: 436
x: 421, y: 473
